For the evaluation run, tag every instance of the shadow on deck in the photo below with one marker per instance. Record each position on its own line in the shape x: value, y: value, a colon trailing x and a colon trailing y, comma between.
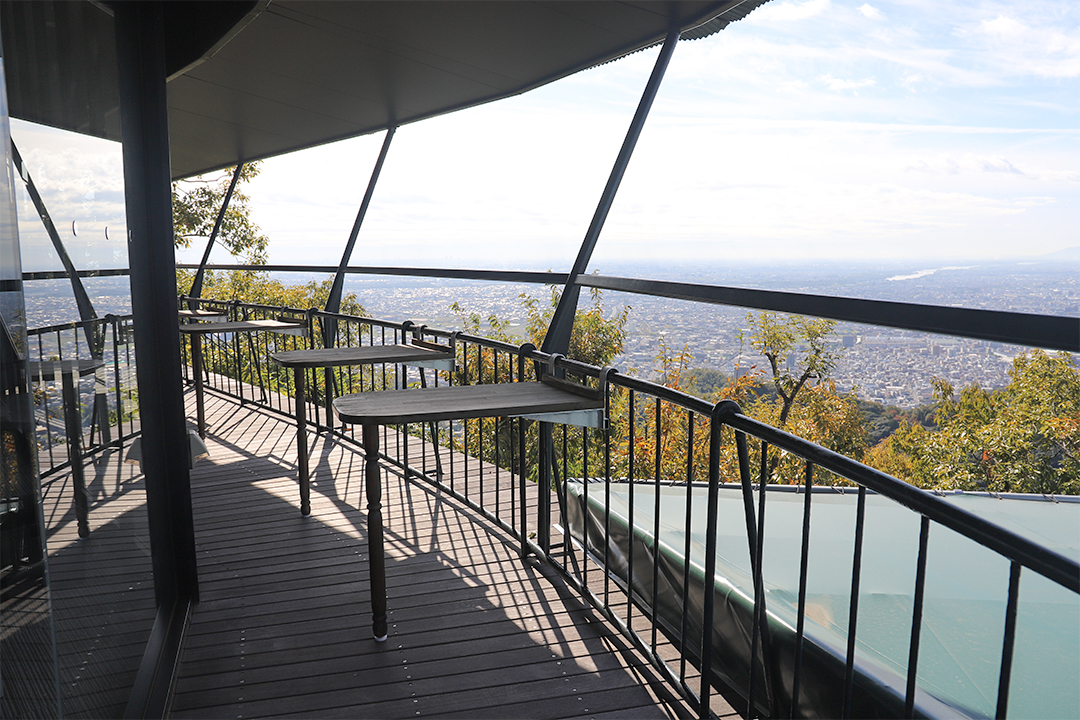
x: 283, y: 627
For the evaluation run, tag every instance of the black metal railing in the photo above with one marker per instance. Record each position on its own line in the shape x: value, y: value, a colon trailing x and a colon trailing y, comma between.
x: 83, y: 383
x: 638, y: 517
x: 85, y: 400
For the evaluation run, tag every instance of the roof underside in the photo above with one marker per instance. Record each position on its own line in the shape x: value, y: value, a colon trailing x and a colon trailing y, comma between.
x: 250, y: 80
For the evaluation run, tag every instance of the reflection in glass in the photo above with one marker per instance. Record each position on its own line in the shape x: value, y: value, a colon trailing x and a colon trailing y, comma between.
x: 28, y: 670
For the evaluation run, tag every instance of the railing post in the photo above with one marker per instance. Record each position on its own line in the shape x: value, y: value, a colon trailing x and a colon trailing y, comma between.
x: 721, y: 412
x: 853, y: 611
x: 916, y: 619
x: 525, y: 349
x: 1009, y: 642
x: 804, y: 567
x: 73, y: 422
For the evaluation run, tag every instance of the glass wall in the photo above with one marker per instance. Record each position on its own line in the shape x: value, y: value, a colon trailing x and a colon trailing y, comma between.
x: 65, y: 202
x: 28, y: 671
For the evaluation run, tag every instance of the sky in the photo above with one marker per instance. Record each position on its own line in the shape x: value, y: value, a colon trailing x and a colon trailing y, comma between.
x: 819, y: 129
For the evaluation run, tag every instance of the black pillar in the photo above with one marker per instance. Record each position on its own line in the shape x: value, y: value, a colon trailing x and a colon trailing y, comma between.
x: 140, y: 50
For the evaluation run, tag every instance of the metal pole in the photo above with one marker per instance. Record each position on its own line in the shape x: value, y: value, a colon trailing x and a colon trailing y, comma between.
x: 557, y: 339
x: 73, y: 426
x: 140, y: 50
x: 196, y: 285
x: 333, y: 303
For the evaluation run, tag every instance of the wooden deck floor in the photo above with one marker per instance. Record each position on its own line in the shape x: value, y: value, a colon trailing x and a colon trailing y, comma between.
x: 101, y: 587
x: 283, y: 625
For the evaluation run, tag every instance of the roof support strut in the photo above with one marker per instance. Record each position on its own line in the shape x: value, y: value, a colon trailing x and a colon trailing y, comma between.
x: 197, y: 283
x: 557, y: 339
x: 333, y: 302
x: 82, y: 300
x: 95, y: 336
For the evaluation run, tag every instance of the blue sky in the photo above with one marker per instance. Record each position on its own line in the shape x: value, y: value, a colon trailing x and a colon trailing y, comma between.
x: 910, y: 129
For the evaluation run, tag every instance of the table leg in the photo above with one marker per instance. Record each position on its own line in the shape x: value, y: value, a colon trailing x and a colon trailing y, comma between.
x: 73, y: 422
x: 301, y: 443
x: 376, y: 555
x: 196, y: 369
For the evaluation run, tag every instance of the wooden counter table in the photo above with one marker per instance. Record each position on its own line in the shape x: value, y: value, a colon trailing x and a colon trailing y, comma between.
x: 207, y: 315
x: 418, y: 353
x: 552, y: 400
x: 197, y: 330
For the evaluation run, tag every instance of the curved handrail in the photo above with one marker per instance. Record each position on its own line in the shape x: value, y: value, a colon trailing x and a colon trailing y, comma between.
x: 1021, y: 551
x: 1052, y: 565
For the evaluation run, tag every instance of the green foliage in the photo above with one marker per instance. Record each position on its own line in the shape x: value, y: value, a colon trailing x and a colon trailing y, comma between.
x: 818, y: 413
x: 799, y: 350
x: 1024, y: 437
x: 802, y: 354
x: 705, y: 382
x: 196, y: 204
x: 261, y: 289
x: 881, y: 421
x: 598, y: 336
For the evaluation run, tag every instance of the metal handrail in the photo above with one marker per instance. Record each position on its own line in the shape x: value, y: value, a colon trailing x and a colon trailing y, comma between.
x: 109, y: 411
x: 765, y: 686
x: 1053, y: 566
x: 1027, y: 329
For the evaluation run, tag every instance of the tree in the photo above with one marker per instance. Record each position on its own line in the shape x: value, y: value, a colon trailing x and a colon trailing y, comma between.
x: 196, y: 204
x: 1024, y: 437
x: 801, y: 357
x: 598, y: 337
x: 881, y: 421
x: 798, y: 350
x: 705, y: 382
x: 657, y: 432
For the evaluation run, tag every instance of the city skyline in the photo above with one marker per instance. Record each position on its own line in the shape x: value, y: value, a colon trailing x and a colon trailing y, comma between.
x: 886, y: 365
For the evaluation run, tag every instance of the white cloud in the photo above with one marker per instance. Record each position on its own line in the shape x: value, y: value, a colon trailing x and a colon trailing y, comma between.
x: 1002, y: 26
x: 840, y: 84
x: 911, y: 80
x: 871, y: 12
x: 755, y: 142
x: 80, y: 180
x: 1040, y: 47
x: 968, y: 163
